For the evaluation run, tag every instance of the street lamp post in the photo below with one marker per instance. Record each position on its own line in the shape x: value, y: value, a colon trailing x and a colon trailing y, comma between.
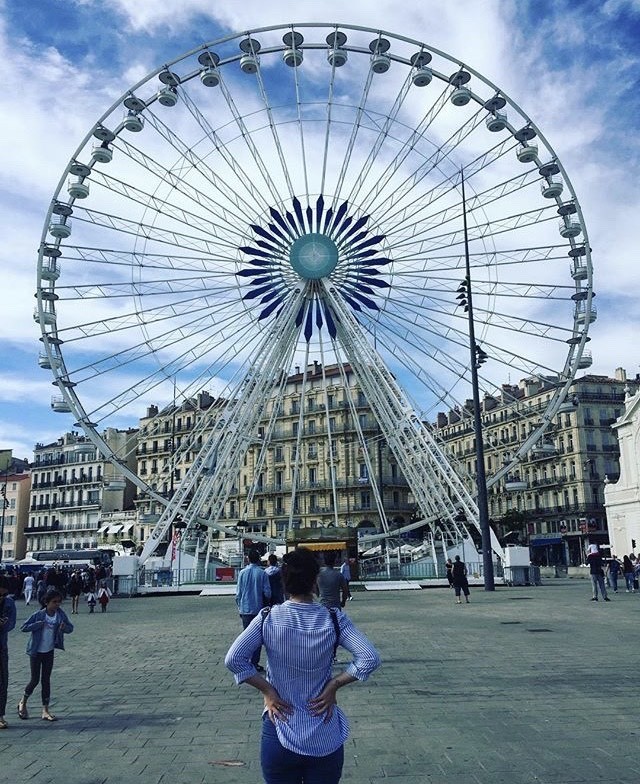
x: 5, y: 504
x: 476, y: 357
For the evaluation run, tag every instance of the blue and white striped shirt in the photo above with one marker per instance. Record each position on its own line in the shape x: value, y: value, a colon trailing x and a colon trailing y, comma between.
x: 299, y: 640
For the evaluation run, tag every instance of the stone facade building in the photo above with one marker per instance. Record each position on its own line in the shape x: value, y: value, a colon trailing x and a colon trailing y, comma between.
x: 72, y: 486
x: 15, y: 511
x: 555, y: 499
x: 334, y: 488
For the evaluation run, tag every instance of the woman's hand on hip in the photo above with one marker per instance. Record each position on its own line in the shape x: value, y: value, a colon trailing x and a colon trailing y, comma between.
x: 277, y: 708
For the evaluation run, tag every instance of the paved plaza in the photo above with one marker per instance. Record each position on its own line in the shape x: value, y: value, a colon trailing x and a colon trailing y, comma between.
x: 522, y: 686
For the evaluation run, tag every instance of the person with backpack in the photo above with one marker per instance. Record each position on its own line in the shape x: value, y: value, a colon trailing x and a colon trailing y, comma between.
x: 303, y: 729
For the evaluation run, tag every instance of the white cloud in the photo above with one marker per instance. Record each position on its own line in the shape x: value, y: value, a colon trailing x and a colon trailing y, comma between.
x: 54, y: 99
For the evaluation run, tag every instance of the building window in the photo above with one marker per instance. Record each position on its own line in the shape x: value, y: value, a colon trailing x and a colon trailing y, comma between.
x: 365, y: 500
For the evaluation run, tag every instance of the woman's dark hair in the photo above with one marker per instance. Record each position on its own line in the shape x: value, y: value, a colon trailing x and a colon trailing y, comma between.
x: 299, y: 571
x: 52, y: 593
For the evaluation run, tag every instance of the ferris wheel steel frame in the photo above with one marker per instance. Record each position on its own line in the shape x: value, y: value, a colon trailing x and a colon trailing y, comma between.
x: 323, y: 261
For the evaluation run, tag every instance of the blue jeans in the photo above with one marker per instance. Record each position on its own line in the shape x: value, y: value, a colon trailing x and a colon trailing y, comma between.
x: 281, y: 766
x: 597, y: 581
x: 628, y: 576
x: 613, y: 579
x: 255, y: 656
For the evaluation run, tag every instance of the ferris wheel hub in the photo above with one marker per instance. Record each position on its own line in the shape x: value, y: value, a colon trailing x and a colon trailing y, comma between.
x: 313, y: 256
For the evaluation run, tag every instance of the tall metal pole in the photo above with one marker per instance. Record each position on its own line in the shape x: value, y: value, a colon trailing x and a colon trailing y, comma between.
x: 481, y: 479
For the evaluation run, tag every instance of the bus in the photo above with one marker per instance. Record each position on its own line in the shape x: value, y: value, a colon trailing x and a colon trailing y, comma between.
x: 74, y: 558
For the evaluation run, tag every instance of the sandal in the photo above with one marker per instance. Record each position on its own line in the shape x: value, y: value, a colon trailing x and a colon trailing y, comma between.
x: 49, y: 717
x: 22, y: 710
x: 3, y: 725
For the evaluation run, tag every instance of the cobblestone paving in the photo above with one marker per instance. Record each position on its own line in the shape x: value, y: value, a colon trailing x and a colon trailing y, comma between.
x: 522, y: 686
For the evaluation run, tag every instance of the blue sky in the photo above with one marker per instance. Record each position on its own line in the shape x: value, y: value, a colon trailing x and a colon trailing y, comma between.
x: 573, y: 66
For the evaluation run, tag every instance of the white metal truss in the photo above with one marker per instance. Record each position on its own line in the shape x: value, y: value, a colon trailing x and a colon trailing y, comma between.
x: 438, y: 490
x: 202, y: 495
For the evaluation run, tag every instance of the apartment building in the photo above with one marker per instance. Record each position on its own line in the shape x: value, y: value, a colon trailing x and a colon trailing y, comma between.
x: 72, y: 485
x: 15, y: 483
x: 555, y: 499
x: 317, y: 459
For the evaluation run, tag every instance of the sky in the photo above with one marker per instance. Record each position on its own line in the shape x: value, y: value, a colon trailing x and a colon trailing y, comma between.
x: 572, y: 65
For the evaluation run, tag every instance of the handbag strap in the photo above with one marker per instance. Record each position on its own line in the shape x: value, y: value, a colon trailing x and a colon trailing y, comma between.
x: 334, y: 620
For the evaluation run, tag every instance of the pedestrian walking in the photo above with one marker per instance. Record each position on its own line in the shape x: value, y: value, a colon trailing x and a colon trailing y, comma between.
x: 333, y: 590
x: 47, y: 628
x: 303, y: 729
x: 449, y: 570
x: 104, y: 594
x: 74, y: 587
x: 459, y: 580
x: 614, y: 568
x: 253, y: 592
x: 91, y: 600
x: 7, y: 624
x: 274, y: 573
x: 345, y: 571
x: 27, y: 588
x: 627, y: 572
x: 596, y: 569
x: 41, y: 589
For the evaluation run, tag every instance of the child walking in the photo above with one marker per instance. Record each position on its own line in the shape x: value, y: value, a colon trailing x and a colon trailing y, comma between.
x: 91, y: 600
x: 103, y: 597
x: 47, y: 627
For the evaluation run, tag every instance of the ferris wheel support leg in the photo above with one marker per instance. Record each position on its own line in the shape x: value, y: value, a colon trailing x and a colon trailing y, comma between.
x: 439, y: 492
x: 209, y: 479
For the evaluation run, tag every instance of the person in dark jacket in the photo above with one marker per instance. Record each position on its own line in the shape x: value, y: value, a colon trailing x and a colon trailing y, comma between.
x: 274, y: 573
x: 47, y: 628
x: 459, y: 580
x: 596, y: 569
x: 7, y: 623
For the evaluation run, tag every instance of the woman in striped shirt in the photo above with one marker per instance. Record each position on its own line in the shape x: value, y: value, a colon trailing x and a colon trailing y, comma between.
x: 303, y: 729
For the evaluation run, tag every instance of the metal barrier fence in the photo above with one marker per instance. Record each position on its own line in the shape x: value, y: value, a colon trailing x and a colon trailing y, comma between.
x: 419, y: 570
x: 215, y: 574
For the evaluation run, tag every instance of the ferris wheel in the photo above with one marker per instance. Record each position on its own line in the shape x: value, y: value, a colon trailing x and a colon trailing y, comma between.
x: 293, y: 194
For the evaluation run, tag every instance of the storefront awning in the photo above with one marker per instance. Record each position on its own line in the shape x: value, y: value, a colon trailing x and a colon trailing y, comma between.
x: 545, y: 541
x: 323, y: 545
x: 113, y: 529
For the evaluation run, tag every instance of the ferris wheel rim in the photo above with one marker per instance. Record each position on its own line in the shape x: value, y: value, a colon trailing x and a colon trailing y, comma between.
x: 48, y: 336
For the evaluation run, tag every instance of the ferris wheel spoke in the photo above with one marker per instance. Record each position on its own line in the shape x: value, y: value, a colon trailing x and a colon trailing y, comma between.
x: 112, y: 258
x: 241, y: 175
x: 167, y: 211
x: 371, y: 198
x: 200, y: 196
x: 387, y: 124
x: 226, y: 330
x: 156, y: 378
x: 483, y: 231
x: 196, y: 164
x: 252, y: 147
x: 393, y: 199
x: 350, y: 147
x: 419, y: 220
x: 149, y: 232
